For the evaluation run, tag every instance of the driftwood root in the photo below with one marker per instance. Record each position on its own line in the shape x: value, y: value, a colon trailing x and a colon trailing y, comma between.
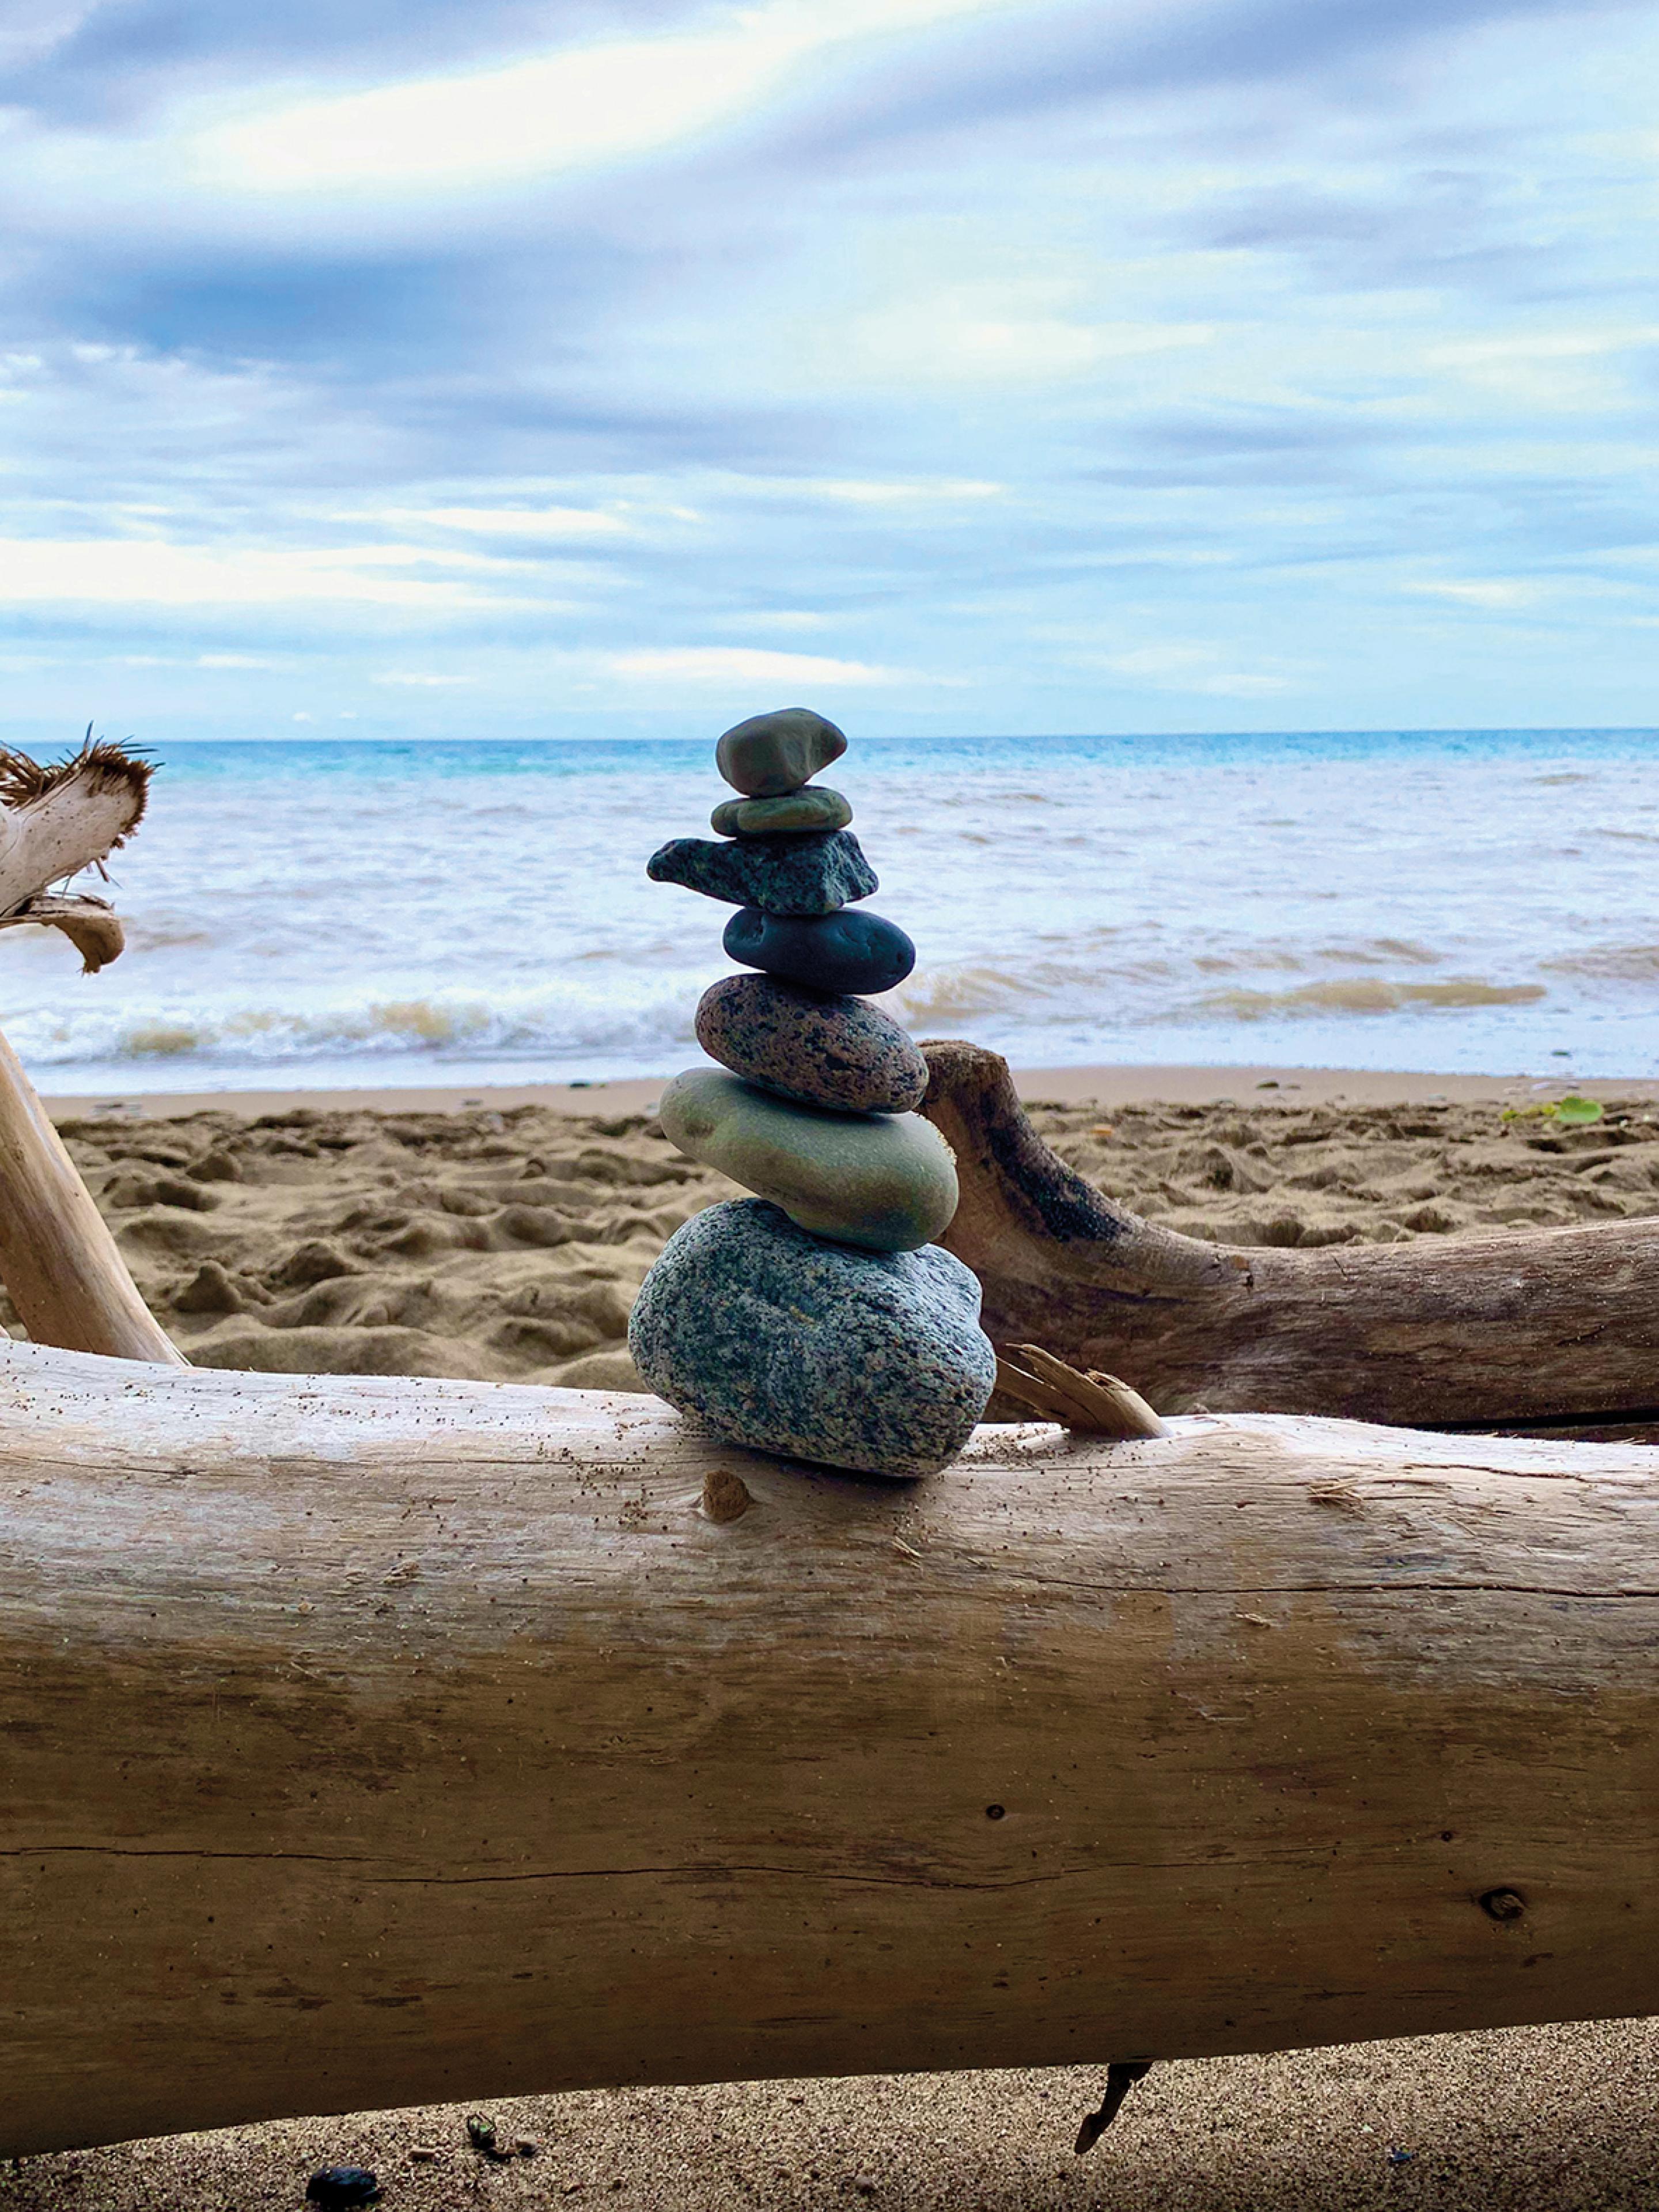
x: 1551, y: 1327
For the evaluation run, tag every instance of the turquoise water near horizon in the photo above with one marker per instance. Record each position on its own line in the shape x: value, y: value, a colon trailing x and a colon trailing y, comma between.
x: 314, y: 913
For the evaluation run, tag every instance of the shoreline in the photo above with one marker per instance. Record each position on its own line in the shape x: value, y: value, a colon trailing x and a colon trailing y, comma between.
x: 1094, y: 1085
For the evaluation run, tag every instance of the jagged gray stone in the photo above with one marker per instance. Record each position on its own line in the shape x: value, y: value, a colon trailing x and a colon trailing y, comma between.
x: 796, y: 875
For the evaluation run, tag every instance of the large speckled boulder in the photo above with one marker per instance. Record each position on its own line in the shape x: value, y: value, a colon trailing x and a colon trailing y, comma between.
x: 770, y: 754
x: 809, y: 875
x: 816, y: 807
x: 872, y: 1362
x: 829, y: 1051
x: 831, y: 953
x: 884, y: 1181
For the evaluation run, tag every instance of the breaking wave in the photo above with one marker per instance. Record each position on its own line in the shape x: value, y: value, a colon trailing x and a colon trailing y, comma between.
x: 1366, y: 995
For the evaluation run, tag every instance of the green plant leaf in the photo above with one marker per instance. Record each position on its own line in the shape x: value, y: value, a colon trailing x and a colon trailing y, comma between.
x: 1575, y: 1112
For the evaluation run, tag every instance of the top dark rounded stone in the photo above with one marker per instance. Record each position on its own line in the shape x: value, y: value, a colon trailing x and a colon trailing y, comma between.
x: 770, y: 754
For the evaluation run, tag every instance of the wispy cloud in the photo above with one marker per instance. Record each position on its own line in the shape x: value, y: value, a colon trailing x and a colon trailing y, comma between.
x: 39, y: 571
x: 1200, y: 670
x: 1493, y: 593
x: 723, y: 665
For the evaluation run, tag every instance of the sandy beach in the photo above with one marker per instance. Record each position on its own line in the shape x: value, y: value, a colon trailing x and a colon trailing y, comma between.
x: 501, y: 1236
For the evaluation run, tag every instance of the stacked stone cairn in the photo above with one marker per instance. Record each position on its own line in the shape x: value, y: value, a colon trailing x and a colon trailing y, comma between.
x: 817, y: 1319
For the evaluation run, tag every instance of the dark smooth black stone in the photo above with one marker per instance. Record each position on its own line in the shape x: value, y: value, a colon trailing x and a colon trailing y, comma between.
x: 841, y: 952
x: 343, y: 2185
x: 807, y: 875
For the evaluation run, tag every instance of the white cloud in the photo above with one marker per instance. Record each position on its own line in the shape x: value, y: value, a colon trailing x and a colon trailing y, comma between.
x: 899, y: 493
x: 545, y: 114
x: 1194, y: 669
x: 552, y: 522
x: 416, y: 680
x: 1569, y: 371
x: 146, y: 571
x: 780, y: 618
x: 1003, y: 334
x: 740, y: 664
x: 1478, y: 594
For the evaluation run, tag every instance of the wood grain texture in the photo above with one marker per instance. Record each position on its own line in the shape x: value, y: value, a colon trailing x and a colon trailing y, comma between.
x: 1545, y: 1325
x: 368, y: 1741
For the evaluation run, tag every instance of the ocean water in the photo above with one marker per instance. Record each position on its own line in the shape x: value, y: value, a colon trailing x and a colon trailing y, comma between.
x: 317, y: 913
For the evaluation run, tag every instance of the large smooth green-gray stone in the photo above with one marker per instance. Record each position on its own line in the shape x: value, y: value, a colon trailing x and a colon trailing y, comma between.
x: 815, y: 806
x: 770, y: 754
x: 886, y: 1181
x: 872, y: 1361
x: 809, y: 875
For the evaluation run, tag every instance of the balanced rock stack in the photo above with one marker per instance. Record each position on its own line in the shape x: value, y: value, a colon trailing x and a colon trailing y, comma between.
x: 816, y: 1319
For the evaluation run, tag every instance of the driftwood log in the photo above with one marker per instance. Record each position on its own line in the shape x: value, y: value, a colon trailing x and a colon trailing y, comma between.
x: 1549, y: 1326
x: 369, y: 1741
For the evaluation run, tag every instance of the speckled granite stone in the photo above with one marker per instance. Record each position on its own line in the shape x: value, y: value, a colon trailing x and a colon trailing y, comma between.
x: 770, y: 754
x: 833, y: 952
x: 874, y: 1362
x: 814, y: 806
x: 810, y: 875
x: 829, y: 1051
x: 884, y: 1180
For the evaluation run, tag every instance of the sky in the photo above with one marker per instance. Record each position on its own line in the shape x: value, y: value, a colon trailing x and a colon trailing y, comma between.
x: 389, y: 369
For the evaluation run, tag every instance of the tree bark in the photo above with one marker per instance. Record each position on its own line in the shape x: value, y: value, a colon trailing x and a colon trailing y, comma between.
x: 368, y: 1741
x: 1552, y: 1325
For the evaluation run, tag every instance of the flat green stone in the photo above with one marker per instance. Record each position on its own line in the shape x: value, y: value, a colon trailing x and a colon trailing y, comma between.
x: 886, y: 1181
x: 814, y: 806
x: 772, y: 754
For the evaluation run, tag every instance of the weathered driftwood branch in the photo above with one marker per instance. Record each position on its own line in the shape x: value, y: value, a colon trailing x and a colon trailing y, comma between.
x: 61, y: 1266
x: 1094, y: 1404
x: 57, y: 818
x: 368, y: 1741
x: 1552, y: 1325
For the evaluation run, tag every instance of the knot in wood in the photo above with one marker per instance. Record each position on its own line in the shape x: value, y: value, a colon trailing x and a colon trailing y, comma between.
x: 1503, y: 1904
x: 725, y: 1496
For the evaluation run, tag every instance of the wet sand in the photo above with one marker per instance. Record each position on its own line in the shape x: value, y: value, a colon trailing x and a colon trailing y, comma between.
x: 415, y: 1233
